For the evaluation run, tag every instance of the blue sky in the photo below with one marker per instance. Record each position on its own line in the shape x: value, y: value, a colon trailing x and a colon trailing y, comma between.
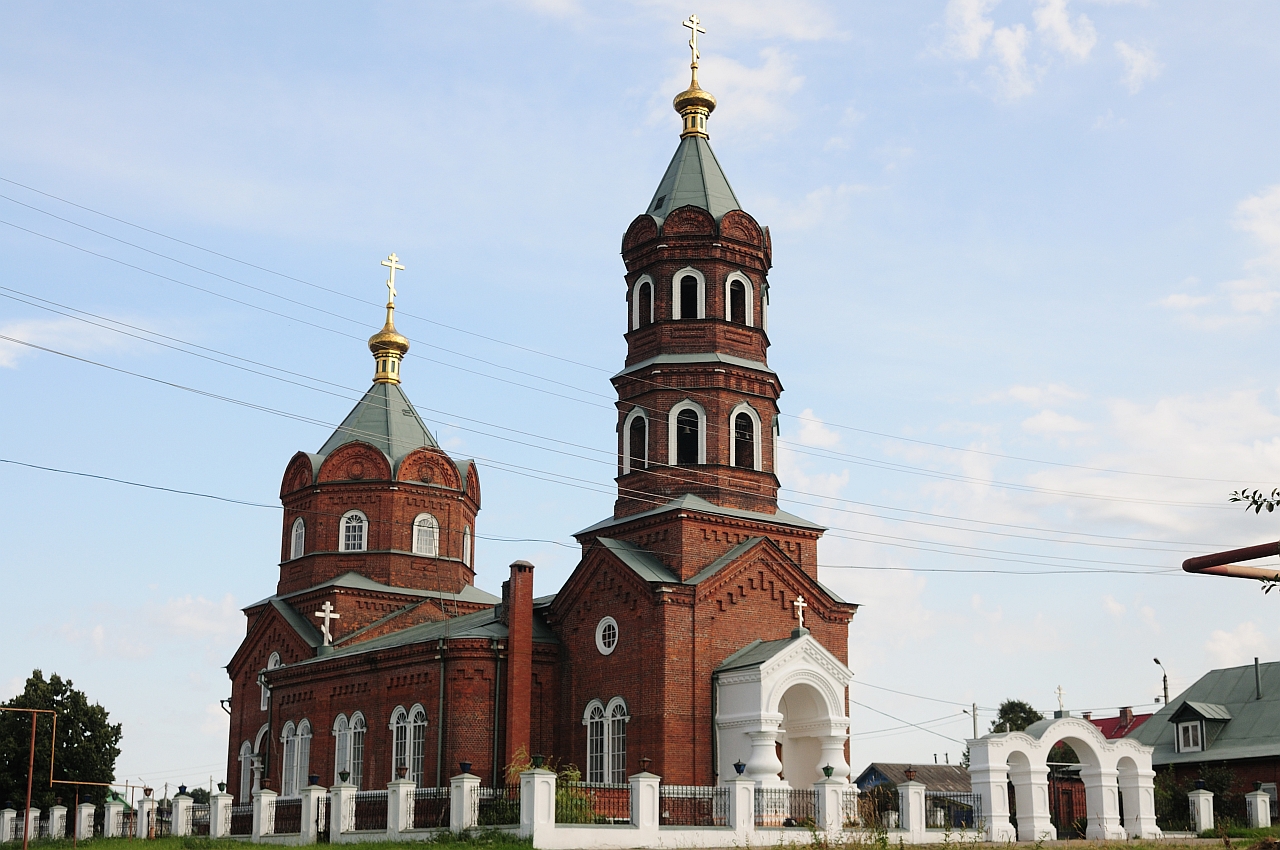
x: 1027, y: 279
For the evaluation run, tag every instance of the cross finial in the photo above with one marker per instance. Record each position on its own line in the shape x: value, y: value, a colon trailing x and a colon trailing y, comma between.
x: 1061, y: 693
x: 326, y: 612
x: 392, y: 262
x: 800, y: 605
x: 695, y: 27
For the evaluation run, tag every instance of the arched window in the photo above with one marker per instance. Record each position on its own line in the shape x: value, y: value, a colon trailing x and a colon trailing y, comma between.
x: 354, y: 531
x: 642, y: 303
x: 737, y: 303
x: 417, y: 742
x: 466, y: 545
x: 744, y: 447
x: 688, y: 294
x: 357, y: 749
x: 686, y: 438
x: 289, y: 766
x: 426, y: 536
x: 341, y: 748
x: 246, y: 772
x: 635, y: 452
x: 273, y: 661
x: 618, y: 741
x: 399, y: 739
x: 297, y: 539
x: 302, y: 770
x: 593, y: 719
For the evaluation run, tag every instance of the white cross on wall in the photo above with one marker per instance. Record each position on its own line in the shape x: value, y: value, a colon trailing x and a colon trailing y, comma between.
x: 326, y: 613
x: 800, y: 605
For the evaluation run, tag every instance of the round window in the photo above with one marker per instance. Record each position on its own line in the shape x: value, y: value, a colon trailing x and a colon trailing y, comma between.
x: 607, y: 635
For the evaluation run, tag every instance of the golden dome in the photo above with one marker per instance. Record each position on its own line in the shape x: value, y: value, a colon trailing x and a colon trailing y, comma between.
x: 694, y: 98
x: 388, y: 345
x: 388, y: 339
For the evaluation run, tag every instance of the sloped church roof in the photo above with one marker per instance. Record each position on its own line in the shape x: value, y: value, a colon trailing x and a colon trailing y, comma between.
x: 694, y: 178
x: 386, y: 419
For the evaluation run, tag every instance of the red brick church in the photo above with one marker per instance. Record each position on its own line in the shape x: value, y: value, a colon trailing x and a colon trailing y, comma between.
x: 693, y: 633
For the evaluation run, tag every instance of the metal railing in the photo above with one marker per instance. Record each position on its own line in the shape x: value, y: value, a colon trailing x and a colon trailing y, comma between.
x: 498, y: 806
x: 850, y: 810
x: 371, y: 810
x: 582, y: 802
x: 952, y: 810
x: 430, y: 808
x: 322, y: 817
x: 693, y: 805
x: 126, y: 824
x: 878, y: 807
x: 240, y: 820
x: 782, y: 807
x: 99, y: 822
x: 19, y: 829
x: 198, y: 815
x: 287, y: 818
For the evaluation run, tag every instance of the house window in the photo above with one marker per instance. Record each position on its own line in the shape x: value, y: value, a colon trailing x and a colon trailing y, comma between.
x: 297, y: 539
x: 636, y: 451
x: 426, y: 536
x: 594, y: 721
x: 686, y: 438
x: 744, y: 442
x: 618, y: 742
x: 417, y: 742
x: 357, y: 749
x: 1189, y: 737
x: 355, y: 531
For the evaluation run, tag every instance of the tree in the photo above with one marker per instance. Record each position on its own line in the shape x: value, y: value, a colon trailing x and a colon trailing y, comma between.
x: 1014, y: 716
x: 87, y: 745
x: 1257, y: 500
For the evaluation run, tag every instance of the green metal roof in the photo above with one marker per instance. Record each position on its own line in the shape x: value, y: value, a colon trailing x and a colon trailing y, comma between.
x: 693, y: 178
x: 699, y: 357
x: 689, y: 502
x: 355, y: 581
x: 727, y: 558
x: 759, y: 651
x: 1250, y: 726
x: 385, y: 419
x: 643, y: 562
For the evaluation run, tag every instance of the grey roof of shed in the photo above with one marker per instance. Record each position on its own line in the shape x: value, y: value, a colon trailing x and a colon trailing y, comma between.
x: 386, y: 419
x: 936, y: 777
x: 690, y: 502
x: 1251, y: 728
x: 356, y: 581
x: 694, y: 178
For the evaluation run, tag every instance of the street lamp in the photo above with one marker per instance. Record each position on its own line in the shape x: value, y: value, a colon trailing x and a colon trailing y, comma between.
x: 1166, y: 679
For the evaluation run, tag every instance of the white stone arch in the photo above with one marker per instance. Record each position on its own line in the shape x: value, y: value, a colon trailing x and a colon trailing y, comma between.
x: 636, y: 413
x: 688, y: 271
x: 749, y: 291
x: 1021, y: 757
x: 757, y: 460
x: 637, y: 307
x: 766, y: 685
x: 687, y: 404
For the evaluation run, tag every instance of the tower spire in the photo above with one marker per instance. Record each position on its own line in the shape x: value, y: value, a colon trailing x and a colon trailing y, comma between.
x: 387, y: 345
x: 694, y: 104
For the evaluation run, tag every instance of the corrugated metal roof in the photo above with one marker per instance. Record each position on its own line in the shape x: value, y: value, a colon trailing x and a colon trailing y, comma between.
x: 694, y: 178
x: 385, y: 419
x: 1250, y: 730
x: 936, y: 777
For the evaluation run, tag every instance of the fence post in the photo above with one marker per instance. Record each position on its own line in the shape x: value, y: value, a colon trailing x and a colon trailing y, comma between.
x: 464, y: 803
x: 57, y: 821
x: 264, y: 811
x: 342, y: 809
x: 219, y: 814
x: 1259, y: 805
x: 112, y: 810
x: 84, y: 821
x: 180, y: 824
x: 7, y: 818
x: 1201, y: 801
x: 742, y: 809
x: 32, y: 823
x: 830, y: 804
x: 645, y: 805
x: 911, y: 806
x: 537, y: 804
x: 308, y: 831
x: 399, y: 806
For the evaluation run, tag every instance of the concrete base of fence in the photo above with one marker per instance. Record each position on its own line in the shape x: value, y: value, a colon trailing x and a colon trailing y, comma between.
x: 220, y: 815
x: 264, y: 809
x: 111, y: 814
x: 464, y: 793
x: 1201, y: 802
x: 32, y: 826
x: 180, y: 818
x: 7, y: 819
x: 1259, y: 806
x: 58, y: 822
x: 84, y: 821
x: 146, y: 817
x: 399, y: 807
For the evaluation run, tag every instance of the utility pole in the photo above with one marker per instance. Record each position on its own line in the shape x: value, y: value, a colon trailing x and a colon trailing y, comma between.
x: 975, y: 719
x: 1166, y: 679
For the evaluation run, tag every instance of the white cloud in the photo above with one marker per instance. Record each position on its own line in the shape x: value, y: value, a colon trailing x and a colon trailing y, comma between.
x: 968, y: 27
x: 1182, y: 301
x: 61, y: 334
x: 1054, y: 22
x: 822, y: 205
x: 1238, y: 646
x: 1039, y: 396
x: 1050, y: 422
x: 197, y: 618
x: 1009, y: 44
x: 750, y: 97
x: 813, y: 432
x: 1112, y: 607
x: 1259, y: 215
x: 1140, y: 65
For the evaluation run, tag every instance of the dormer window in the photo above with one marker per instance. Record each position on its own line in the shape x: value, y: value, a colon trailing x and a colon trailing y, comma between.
x: 1189, y: 737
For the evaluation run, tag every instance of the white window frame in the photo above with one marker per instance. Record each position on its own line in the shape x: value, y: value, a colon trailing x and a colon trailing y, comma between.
x: 298, y: 539
x: 1196, y: 727
x: 688, y: 271
x: 302, y: 764
x: 595, y: 713
x: 358, y: 730
x: 264, y: 701
x: 466, y: 545
x: 364, y: 533
x: 687, y: 404
x: 636, y: 413
x: 417, y: 743
x: 604, y: 648
x: 246, y: 771
x: 341, y: 747
x: 399, y: 739
x: 764, y: 306
x: 422, y: 521
x: 616, y: 764
x: 749, y: 291
x: 636, y: 306
x: 756, y: 461
x: 289, y: 761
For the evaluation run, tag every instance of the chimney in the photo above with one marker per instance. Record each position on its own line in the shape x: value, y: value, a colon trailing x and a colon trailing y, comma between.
x: 1126, y: 717
x: 517, y: 613
x: 1088, y: 715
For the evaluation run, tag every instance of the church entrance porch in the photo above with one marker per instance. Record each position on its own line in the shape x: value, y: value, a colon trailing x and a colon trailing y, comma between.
x: 780, y: 713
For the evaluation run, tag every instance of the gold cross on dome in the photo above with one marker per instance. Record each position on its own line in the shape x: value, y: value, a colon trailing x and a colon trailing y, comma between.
x: 695, y: 27
x: 392, y: 262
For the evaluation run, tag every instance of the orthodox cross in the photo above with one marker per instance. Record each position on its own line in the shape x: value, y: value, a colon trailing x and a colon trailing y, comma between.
x: 392, y: 262
x: 800, y: 605
x: 1061, y: 693
x: 695, y: 27
x: 326, y: 612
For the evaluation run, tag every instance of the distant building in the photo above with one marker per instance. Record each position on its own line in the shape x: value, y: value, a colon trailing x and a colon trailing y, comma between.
x: 1120, y: 726
x: 936, y: 777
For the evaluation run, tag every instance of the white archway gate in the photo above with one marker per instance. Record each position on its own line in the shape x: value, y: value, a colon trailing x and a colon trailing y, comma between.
x: 1109, y: 769
x: 787, y: 692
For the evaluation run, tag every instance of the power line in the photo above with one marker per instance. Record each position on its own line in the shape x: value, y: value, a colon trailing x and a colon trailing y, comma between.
x: 918, y: 696
x: 907, y: 722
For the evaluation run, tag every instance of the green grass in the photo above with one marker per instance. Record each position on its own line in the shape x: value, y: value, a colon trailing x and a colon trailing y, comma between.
x: 1243, y: 832
x: 478, y: 840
